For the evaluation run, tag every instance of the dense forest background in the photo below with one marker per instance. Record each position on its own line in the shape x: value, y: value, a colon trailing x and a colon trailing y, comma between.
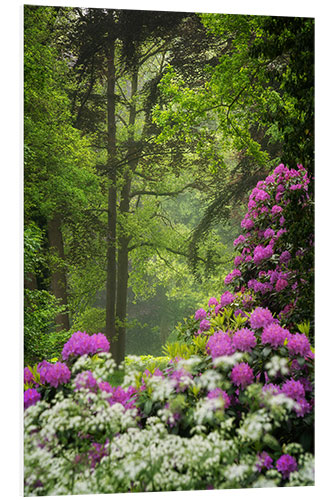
x: 143, y: 134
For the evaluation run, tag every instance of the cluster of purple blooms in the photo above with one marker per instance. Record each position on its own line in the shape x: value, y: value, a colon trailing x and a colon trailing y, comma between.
x: 264, y: 224
x: 31, y: 396
x: 86, y: 380
x: 81, y: 343
x: 285, y: 464
x: 219, y: 393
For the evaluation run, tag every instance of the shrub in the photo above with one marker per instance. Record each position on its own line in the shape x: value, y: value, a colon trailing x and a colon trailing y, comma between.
x: 203, y: 422
x: 276, y: 253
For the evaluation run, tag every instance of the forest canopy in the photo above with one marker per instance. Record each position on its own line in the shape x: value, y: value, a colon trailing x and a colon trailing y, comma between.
x: 144, y: 133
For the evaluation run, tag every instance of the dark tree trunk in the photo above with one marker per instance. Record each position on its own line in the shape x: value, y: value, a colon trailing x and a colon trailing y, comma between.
x: 58, y: 272
x: 111, y: 279
x: 124, y: 239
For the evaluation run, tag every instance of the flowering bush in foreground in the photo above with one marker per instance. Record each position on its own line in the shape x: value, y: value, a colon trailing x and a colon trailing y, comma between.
x: 276, y: 251
x: 211, y: 418
x: 230, y: 406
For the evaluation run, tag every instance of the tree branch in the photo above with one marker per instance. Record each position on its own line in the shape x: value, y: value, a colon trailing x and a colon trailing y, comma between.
x: 166, y: 193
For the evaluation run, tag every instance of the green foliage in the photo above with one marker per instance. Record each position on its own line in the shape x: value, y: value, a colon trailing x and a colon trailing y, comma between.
x: 177, y: 349
x: 40, y: 306
x: 91, y: 320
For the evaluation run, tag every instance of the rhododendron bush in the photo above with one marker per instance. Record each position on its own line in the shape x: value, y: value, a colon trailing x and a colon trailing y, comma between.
x: 276, y: 253
x: 231, y: 405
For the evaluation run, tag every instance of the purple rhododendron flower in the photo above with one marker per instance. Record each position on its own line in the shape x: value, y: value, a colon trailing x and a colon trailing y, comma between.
x: 28, y: 376
x: 31, y: 396
x: 58, y: 373
x: 105, y: 386
x: 274, y: 335
x: 218, y: 308
x: 260, y: 253
x: 212, y: 302
x: 81, y: 343
x: 286, y: 464
x: 302, y: 407
x: 85, y: 380
x: 276, y: 209
x: 242, y: 375
x: 229, y: 278
x: 182, y: 377
x: 204, y: 325
x: 298, y: 344
x: 261, y: 195
x: 78, y: 345
x: 239, y: 240
x: 218, y: 393
x: 200, y: 314
x: 247, y: 224
x: 122, y: 396
x: 281, y: 284
x: 294, y: 389
x: 244, y: 340
x: 42, y: 369
x: 220, y: 344
x: 264, y: 461
x: 99, y: 343
x: 261, y: 317
x: 272, y: 389
x: 238, y: 260
x: 227, y: 298
x: 285, y: 257
x: 269, y: 233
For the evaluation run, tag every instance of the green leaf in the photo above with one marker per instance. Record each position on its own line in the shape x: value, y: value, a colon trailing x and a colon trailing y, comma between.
x: 147, y: 407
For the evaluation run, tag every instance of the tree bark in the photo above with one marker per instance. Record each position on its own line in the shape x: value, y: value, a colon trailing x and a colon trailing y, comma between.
x: 58, y: 273
x: 123, y: 252
x: 111, y: 279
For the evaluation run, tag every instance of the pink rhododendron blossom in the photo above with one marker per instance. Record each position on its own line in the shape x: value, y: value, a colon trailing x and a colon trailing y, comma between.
x: 261, y: 317
x: 286, y: 464
x: 58, y: 373
x: 212, y: 302
x: 238, y: 259
x: 200, y: 314
x: 264, y: 461
x: 31, y: 396
x: 280, y: 285
x: 276, y: 209
x: 219, y: 393
x: 227, y: 298
x: 204, y: 325
x: 85, y: 380
x: 293, y: 389
x: 244, y: 340
x: 239, y: 240
x: 269, y: 233
x: 242, y: 375
x: 274, y: 335
x: 247, y: 224
x: 229, y: 278
x: 298, y: 344
x: 28, y: 376
x: 220, y: 344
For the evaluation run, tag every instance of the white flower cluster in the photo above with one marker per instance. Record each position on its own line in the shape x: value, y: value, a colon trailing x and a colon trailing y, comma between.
x: 277, y: 365
x: 255, y: 425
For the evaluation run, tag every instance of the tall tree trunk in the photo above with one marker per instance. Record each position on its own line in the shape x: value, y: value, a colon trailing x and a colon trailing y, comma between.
x: 111, y: 279
x: 58, y: 273
x: 122, y: 283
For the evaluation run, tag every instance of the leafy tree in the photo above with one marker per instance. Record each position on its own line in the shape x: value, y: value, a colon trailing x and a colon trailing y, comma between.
x: 139, y: 172
x: 59, y: 179
x: 259, y: 96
